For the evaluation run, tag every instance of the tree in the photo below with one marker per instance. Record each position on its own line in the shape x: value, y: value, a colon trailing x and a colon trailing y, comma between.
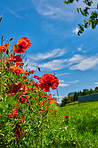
x: 91, y: 14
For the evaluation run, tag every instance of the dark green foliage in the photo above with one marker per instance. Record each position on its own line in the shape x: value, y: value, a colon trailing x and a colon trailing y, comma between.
x: 74, y: 96
x: 90, y: 13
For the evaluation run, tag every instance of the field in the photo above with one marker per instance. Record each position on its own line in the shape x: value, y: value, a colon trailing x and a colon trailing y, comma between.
x: 29, y: 117
x: 80, y: 129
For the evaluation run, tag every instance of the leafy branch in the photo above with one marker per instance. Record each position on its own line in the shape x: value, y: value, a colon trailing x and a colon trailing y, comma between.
x: 91, y: 15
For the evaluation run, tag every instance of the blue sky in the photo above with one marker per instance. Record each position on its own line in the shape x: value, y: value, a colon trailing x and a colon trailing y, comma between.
x: 56, y: 48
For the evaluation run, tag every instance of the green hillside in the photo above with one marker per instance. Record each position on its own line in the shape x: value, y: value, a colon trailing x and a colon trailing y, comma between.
x: 80, y: 129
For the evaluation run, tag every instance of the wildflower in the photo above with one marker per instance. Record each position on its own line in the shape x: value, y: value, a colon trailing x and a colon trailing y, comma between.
x: 17, y: 63
x: 15, y: 58
x: 22, y: 119
x: 23, y: 99
x: 13, y: 113
x: 24, y: 88
x: 26, y: 73
x: 36, y: 84
x: 23, y: 44
x: 55, y: 111
x: 4, y: 47
x: 53, y: 142
x: 32, y: 71
x: 21, y: 63
x: 15, y: 87
x: 17, y: 70
x: 18, y: 132
x: 66, y: 117
x: 36, y: 77
x: 47, y: 81
x: 24, y: 77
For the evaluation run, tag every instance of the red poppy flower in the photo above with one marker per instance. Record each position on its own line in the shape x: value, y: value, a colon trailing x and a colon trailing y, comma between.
x: 24, y: 88
x: 32, y: 71
x: 21, y: 63
x: 13, y: 113
x: 53, y: 142
x: 23, y: 44
x: 24, y: 77
x: 14, y: 88
x: 4, y: 47
x: 17, y: 63
x: 47, y: 81
x: 18, y: 132
x: 22, y: 118
x: 55, y: 111
x: 66, y: 117
x: 36, y: 84
x: 26, y: 73
x: 36, y: 77
x: 15, y: 58
x: 23, y: 99
x: 17, y: 70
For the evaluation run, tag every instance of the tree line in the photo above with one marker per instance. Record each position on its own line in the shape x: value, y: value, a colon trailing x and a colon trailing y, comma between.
x: 74, y: 95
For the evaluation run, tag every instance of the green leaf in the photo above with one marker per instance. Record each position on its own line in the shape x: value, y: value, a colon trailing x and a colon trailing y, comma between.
x: 97, y: 6
x: 77, y: 10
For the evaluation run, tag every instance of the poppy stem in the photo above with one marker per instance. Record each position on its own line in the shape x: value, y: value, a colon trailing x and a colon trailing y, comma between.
x: 1, y: 67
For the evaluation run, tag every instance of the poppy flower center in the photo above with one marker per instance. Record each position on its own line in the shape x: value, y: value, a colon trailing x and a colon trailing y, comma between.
x: 20, y: 46
x: 17, y: 132
x: 48, y: 83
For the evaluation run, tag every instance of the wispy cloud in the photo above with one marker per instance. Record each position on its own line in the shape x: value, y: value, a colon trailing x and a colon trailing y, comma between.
x: 61, y: 74
x: 60, y: 97
x: 63, y: 85
x: 76, y: 62
x: 61, y: 81
x: 76, y: 81
x: 75, y: 30
x: 54, y: 64
x: 53, y: 9
x: 80, y: 49
x: 13, y: 12
x: 96, y: 83
x: 51, y: 54
x: 75, y: 59
x: 84, y: 63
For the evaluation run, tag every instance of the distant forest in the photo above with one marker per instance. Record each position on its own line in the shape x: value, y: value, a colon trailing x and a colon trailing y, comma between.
x: 73, y: 96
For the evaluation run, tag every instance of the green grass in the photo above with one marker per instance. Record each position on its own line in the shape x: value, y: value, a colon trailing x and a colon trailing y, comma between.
x: 81, y: 129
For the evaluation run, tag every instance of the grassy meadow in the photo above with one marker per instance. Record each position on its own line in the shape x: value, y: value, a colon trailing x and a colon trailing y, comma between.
x: 79, y: 130
x: 29, y: 117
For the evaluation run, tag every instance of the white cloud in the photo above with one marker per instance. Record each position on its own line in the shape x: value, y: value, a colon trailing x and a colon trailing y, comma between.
x: 75, y: 30
x: 54, y: 9
x: 51, y: 54
x: 63, y: 85
x: 12, y: 12
x: 75, y: 59
x: 76, y: 81
x: 54, y: 64
x: 85, y: 64
x: 61, y: 81
x: 76, y: 62
x: 61, y: 74
x: 96, y: 83
x: 60, y: 98
x: 79, y: 49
